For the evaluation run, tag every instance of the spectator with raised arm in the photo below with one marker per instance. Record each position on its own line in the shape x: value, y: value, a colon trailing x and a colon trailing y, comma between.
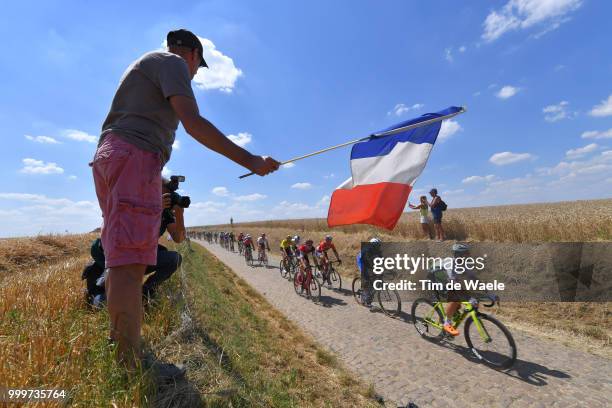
x: 154, y: 94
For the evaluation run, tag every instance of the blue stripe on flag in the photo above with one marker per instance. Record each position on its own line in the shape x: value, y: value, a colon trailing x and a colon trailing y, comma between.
x: 380, y: 146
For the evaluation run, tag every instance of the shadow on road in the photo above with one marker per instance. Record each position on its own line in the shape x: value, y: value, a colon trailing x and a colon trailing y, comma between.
x: 526, y: 371
x: 329, y: 301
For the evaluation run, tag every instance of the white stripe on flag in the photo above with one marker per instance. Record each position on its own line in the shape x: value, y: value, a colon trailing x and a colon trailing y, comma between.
x: 402, y: 165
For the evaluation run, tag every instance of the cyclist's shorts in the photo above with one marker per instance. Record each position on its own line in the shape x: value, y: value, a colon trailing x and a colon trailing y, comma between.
x: 458, y: 295
x: 319, y: 254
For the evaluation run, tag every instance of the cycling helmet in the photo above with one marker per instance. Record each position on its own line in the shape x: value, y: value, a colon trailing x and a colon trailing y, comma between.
x: 460, y: 248
x: 296, y: 239
x: 288, y: 237
x: 309, y: 242
x: 263, y: 234
x: 328, y: 238
x: 375, y: 241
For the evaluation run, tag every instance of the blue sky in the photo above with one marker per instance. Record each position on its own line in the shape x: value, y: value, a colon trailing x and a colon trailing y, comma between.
x: 288, y: 78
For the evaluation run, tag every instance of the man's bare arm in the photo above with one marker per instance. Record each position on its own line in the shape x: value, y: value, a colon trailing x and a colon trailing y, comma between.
x: 177, y: 229
x: 208, y: 135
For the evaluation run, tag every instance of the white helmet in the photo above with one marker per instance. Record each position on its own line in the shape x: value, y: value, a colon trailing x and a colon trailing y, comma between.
x: 459, y: 248
x: 375, y: 241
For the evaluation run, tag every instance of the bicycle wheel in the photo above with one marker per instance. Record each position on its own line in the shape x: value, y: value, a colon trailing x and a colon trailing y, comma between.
x: 356, y: 287
x: 334, y: 279
x: 314, y: 290
x: 389, y: 301
x: 298, y: 280
x: 293, y: 267
x: 495, y: 346
x: 427, y: 319
x: 284, y: 270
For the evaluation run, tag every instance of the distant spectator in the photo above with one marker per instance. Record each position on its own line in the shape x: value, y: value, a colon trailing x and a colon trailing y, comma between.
x: 423, y: 208
x: 437, y: 206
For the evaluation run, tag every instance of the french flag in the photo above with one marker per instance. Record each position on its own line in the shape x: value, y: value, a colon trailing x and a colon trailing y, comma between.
x: 384, y: 167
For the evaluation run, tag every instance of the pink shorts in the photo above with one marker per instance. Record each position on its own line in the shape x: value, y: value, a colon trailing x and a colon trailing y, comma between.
x: 128, y: 186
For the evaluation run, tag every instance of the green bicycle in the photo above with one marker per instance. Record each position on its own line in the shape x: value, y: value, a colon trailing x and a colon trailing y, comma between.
x: 488, y: 339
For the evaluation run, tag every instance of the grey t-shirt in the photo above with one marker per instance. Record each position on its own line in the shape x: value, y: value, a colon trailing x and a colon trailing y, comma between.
x: 141, y: 112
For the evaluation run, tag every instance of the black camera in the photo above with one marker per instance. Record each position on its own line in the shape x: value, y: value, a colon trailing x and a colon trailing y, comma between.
x: 176, y: 198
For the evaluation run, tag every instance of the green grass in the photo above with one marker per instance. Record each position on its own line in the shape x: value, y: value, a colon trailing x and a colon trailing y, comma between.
x: 264, y: 358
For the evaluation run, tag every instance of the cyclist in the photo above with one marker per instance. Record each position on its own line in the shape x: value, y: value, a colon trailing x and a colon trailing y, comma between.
x: 285, y: 248
x: 364, y: 258
x: 295, y: 242
x: 232, y: 239
x: 262, y: 245
x: 322, y: 249
x: 455, y: 296
x: 303, y: 251
x: 240, y: 243
x: 248, y: 244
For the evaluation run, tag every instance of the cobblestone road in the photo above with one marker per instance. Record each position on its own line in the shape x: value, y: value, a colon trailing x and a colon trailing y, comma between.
x: 403, y: 367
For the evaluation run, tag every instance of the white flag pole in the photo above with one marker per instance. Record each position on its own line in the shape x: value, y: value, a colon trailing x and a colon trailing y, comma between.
x: 387, y: 133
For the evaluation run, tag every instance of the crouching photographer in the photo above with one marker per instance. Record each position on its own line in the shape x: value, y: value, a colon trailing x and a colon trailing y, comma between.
x: 168, y: 262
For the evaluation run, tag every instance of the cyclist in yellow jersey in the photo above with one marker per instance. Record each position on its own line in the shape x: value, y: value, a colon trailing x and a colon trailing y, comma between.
x: 285, y: 247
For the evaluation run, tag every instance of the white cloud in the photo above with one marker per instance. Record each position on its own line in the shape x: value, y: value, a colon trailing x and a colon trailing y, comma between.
x: 582, y: 170
x: 603, y: 109
x: 452, y: 192
x: 507, y: 92
x: 220, y: 191
x: 448, y: 128
x: 42, y: 139
x: 250, y: 197
x: 581, y: 151
x: 72, y: 177
x: 212, y: 206
x: 504, y: 158
x: 401, y: 108
x: 166, y: 172
x: 596, y: 134
x: 222, y: 73
x: 463, y: 48
x: 33, y: 166
x: 302, y: 186
x: 553, y: 113
x: 79, y: 136
x: 176, y: 145
x: 478, y: 179
x: 288, y: 165
x: 36, y: 213
x: 241, y: 139
x: 329, y: 176
x: 448, y: 54
x: 523, y: 14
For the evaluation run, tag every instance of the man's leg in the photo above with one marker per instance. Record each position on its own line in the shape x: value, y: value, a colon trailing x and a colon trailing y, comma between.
x: 124, y: 300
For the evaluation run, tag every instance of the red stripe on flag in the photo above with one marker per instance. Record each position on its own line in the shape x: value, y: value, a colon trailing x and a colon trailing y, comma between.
x: 378, y: 204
